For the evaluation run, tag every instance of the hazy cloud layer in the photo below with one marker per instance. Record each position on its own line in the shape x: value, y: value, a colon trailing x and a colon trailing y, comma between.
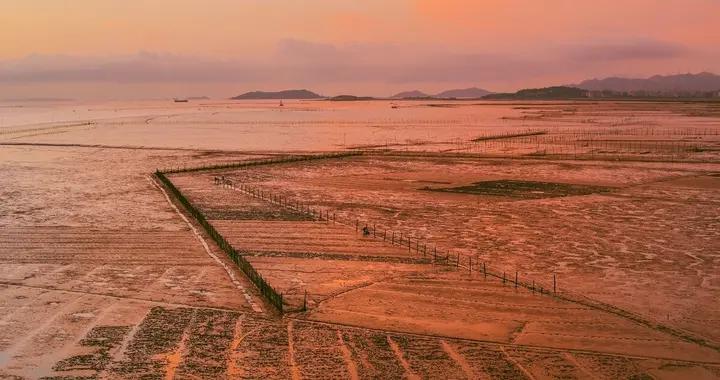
x: 348, y: 67
x: 370, y: 46
x: 641, y: 50
x: 323, y: 63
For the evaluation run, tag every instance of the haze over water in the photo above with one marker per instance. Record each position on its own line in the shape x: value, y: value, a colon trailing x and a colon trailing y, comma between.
x: 132, y: 50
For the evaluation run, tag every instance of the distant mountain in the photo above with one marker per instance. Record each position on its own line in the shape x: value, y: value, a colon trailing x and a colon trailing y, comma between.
x: 350, y: 98
x: 286, y: 94
x: 671, y: 84
x: 546, y: 93
x: 410, y: 94
x: 460, y: 93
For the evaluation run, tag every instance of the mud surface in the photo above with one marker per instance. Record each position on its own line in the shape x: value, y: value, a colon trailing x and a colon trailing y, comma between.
x: 644, y: 238
x: 101, y: 277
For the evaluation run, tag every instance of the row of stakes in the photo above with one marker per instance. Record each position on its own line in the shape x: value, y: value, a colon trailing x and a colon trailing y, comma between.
x: 393, y: 238
x: 261, y: 161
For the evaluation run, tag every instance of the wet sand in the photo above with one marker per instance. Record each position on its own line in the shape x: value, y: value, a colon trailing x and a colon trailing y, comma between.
x: 102, y: 277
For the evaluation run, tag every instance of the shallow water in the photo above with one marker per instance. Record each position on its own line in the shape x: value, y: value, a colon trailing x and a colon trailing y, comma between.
x: 258, y: 125
x: 325, y: 125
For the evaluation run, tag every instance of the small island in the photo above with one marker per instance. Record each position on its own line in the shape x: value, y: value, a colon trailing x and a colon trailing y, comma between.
x: 350, y: 98
x: 545, y: 93
x: 285, y: 94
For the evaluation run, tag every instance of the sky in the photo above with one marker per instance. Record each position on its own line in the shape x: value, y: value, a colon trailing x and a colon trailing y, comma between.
x: 132, y: 49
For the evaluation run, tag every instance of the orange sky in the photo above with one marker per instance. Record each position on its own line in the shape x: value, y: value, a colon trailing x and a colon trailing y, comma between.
x: 334, y: 46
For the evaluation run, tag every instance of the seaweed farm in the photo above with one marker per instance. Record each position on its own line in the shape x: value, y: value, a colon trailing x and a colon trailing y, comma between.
x: 360, y: 240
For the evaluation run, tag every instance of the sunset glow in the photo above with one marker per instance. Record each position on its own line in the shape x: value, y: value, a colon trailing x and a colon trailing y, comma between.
x: 117, y: 48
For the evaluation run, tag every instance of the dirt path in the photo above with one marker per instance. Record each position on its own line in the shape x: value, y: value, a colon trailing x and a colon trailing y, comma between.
x: 233, y: 371
x: 459, y: 359
x: 294, y: 369
x: 409, y: 373
x: 347, y: 356
x: 570, y: 358
x: 517, y: 364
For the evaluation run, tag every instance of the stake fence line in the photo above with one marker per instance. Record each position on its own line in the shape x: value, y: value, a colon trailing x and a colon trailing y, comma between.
x: 262, y: 161
x: 274, y: 297
x: 402, y: 239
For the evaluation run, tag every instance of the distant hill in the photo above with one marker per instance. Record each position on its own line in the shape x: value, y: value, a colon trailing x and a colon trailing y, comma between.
x: 460, y: 93
x: 286, y: 94
x: 670, y: 84
x: 546, y: 93
x: 410, y: 94
x: 350, y: 98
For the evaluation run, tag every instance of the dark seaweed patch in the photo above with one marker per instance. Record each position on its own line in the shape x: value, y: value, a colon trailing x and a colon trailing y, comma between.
x: 263, y: 352
x: 373, y: 355
x: 489, y: 360
x: 317, y: 351
x: 208, y: 344
x: 523, y: 189
x: 104, y: 338
x: 255, y: 213
x: 427, y: 358
x: 159, y: 333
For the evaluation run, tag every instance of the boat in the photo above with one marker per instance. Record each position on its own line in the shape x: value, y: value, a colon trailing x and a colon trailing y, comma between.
x: 180, y: 100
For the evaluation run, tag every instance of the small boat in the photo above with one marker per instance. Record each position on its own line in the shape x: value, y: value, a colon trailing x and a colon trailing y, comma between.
x: 180, y: 100
x: 281, y: 103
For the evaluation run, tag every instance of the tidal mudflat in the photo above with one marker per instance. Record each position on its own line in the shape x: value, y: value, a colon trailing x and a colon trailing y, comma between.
x: 607, y: 213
